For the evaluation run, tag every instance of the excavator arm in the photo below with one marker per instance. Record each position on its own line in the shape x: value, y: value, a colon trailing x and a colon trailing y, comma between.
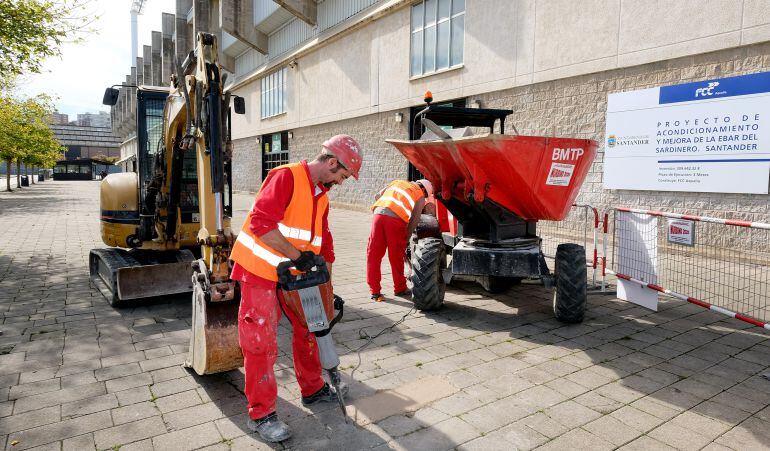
x: 145, y: 211
x: 197, y: 120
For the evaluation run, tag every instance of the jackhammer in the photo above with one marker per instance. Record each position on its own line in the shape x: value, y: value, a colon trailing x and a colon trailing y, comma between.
x: 309, y: 295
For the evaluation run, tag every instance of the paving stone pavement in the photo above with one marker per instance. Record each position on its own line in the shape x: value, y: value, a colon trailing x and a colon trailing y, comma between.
x: 77, y: 374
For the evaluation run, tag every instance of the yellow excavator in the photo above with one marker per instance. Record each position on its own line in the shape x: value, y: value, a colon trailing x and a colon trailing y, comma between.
x: 168, y: 222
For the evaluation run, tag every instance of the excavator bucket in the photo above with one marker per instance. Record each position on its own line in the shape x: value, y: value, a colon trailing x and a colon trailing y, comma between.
x: 214, y: 346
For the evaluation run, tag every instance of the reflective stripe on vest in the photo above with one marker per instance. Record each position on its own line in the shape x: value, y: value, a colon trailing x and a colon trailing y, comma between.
x: 298, y: 227
x: 400, y: 197
x: 401, y: 207
x: 299, y: 234
x: 406, y: 195
x: 293, y: 232
x: 259, y: 251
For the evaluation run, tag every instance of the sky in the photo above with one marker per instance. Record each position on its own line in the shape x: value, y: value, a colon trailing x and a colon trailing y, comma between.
x: 77, y: 80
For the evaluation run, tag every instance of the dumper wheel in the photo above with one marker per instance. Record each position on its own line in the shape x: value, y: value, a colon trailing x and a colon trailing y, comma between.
x: 569, y: 299
x: 497, y: 284
x: 428, y: 263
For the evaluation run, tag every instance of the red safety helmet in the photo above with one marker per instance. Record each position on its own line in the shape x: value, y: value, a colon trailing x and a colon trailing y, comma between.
x: 348, y: 152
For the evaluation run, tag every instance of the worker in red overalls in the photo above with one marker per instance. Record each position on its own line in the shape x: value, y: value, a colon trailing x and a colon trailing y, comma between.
x: 289, y: 221
x: 397, y: 211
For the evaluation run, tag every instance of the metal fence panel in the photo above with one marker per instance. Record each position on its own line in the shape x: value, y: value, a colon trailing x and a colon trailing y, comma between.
x: 727, y: 267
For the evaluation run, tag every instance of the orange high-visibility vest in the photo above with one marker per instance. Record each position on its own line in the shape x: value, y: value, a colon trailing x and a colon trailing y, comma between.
x: 302, y: 225
x: 400, y: 197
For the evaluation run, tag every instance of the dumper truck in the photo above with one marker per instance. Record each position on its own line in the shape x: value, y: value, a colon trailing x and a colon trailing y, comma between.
x: 491, y: 190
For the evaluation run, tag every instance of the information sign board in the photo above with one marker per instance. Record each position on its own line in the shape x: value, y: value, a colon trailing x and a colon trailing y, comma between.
x: 708, y: 136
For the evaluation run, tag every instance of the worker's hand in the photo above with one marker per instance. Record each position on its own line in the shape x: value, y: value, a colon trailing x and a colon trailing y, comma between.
x: 305, y: 261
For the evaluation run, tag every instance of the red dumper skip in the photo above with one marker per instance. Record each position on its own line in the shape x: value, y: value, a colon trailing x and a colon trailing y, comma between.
x: 492, y: 189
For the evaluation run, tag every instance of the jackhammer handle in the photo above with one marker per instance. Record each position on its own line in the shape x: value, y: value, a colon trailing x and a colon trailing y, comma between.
x: 287, y: 265
x: 338, y: 306
x: 316, y: 276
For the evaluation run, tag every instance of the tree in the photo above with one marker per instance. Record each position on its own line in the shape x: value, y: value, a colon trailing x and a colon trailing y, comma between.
x: 104, y: 159
x: 25, y: 137
x: 33, y: 30
x: 10, y: 131
x: 42, y: 148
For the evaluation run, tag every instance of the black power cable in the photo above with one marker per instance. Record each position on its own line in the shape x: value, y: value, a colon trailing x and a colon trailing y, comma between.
x: 370, y: 338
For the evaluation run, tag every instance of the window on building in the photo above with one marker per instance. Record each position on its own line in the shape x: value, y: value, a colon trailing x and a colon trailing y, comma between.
x: 437, y: 35
x: 275, y: 151
x: 273, y: 88
x: 73, y: 152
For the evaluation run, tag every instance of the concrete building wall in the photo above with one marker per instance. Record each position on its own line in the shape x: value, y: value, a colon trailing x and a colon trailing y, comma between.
x: 248, y: 172
x: 365, y: 69
x: 575, y: 107
x: 554, y: 72
x: 381, y: 161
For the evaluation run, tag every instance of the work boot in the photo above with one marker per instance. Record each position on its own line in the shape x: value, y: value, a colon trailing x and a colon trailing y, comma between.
x: 377, y: 297
x: 406, y: 293
x: 270, y: 428
x: 325, y: 394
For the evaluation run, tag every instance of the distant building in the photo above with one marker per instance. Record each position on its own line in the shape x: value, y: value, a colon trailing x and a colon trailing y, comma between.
x: 87, y: 142
x: 58, y: 118
x: 100, y: 119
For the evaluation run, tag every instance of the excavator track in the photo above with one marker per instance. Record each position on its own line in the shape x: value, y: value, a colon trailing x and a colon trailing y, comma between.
x: 103, y: 265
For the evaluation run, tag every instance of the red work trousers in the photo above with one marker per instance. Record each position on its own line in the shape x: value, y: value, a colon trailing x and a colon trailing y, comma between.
x: 388, y: 233
x: 258, y: 318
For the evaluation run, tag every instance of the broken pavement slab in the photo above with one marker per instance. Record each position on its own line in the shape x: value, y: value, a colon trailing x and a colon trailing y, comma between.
x: 404, y: 399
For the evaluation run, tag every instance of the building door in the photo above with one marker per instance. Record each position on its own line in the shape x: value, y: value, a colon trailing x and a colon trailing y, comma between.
x: 416, y: 130
x: 275, y: 151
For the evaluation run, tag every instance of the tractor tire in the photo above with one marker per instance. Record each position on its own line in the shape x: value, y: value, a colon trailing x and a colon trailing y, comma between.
x: 428, y: 263
x: 427, y: 227
x: 497, y: 284
x: 570, y: 297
